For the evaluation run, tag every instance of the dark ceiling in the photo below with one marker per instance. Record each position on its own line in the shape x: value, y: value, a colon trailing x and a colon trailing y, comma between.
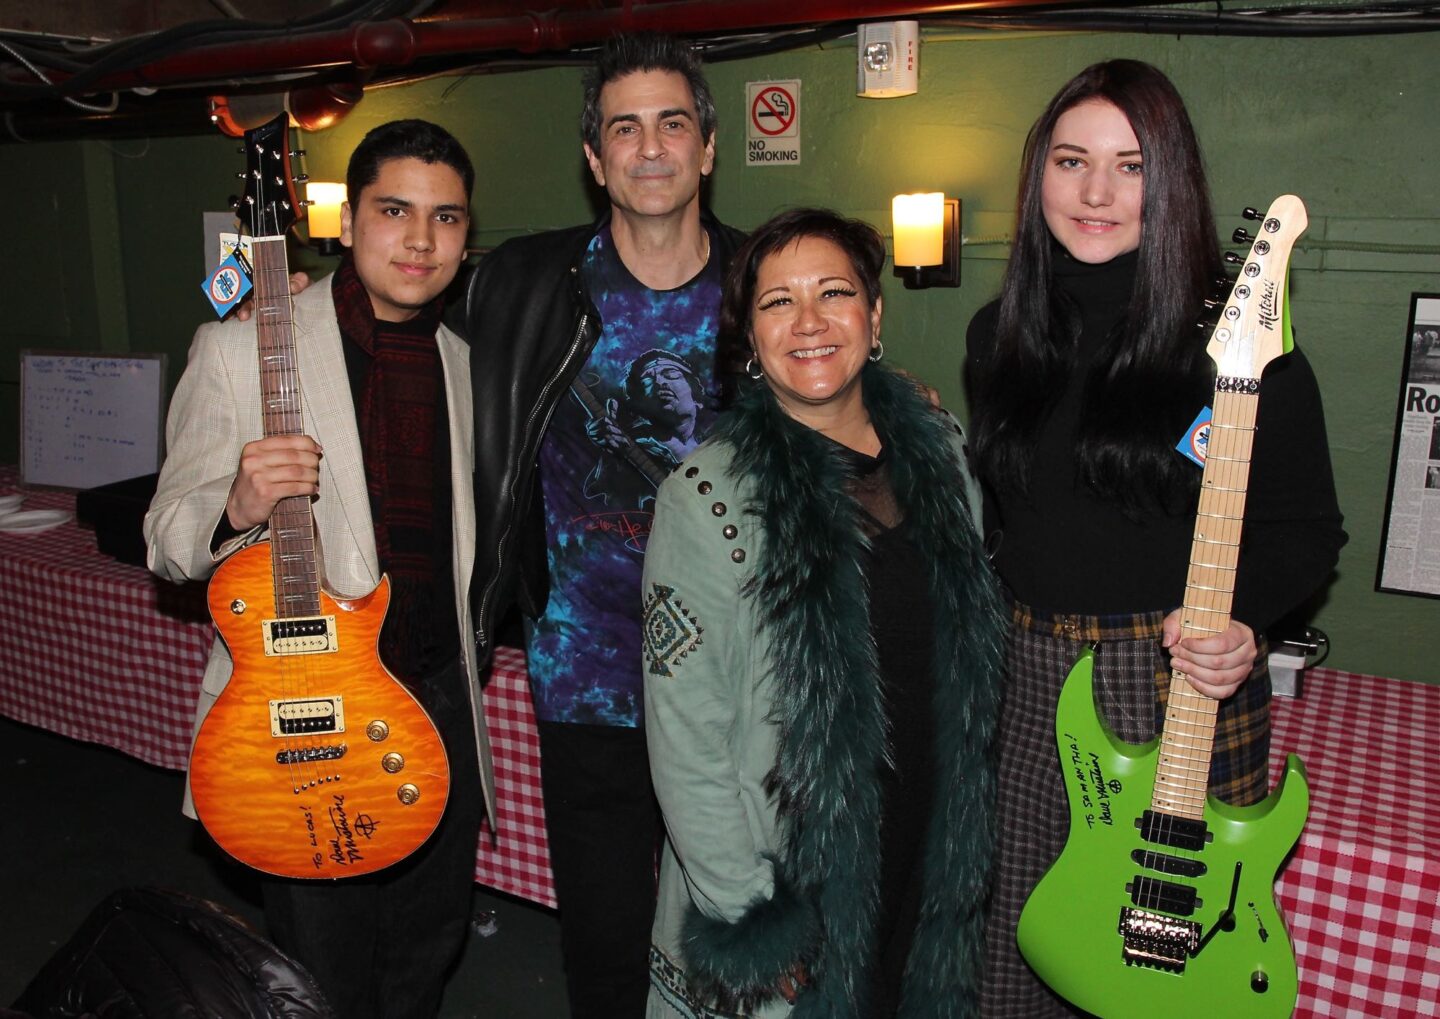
x: 77, y: 68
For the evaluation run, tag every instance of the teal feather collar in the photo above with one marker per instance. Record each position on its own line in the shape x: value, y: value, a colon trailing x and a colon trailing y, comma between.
x: 829, y: 704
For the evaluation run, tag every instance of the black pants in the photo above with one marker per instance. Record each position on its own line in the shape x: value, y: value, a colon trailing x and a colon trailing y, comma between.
x: 603, y: 827
x: 383, y: 945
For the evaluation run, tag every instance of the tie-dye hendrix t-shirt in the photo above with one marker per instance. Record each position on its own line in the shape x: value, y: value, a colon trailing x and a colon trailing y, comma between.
x: 642, y: 402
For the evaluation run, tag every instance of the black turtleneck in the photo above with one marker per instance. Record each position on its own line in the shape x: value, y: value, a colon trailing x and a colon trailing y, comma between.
x: 1064, y: 549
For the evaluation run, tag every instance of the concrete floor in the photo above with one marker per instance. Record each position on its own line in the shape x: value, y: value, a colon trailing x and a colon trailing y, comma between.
x: 78, y: 821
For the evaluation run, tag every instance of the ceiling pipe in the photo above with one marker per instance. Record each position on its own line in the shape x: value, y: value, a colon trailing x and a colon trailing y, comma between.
x: 398, y: 43
x: 169, y: 116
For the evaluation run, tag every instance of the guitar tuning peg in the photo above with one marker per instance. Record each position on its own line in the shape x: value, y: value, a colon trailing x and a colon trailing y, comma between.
x: 301, y: 178
x: 1252, y: 213
x: 296, y: 153
x: 1241, y: 236
x: 1211, y: 303
x: 1233, y: 258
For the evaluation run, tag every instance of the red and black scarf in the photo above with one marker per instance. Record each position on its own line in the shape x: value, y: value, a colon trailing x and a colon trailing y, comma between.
x: 396, y: 409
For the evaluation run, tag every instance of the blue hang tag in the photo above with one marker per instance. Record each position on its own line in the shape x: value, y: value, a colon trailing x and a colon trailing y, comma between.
x: 1197, y: 437
x: 227, y: 286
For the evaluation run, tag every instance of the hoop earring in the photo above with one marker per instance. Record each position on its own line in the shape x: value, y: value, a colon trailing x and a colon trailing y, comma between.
x: 877, y: 351
x: 753, y: 370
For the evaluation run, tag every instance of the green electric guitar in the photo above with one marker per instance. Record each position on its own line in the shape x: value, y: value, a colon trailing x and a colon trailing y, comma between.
x: 1162, y: 903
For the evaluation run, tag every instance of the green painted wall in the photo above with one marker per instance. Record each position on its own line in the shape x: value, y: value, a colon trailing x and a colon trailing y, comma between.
x: 1350, y: 125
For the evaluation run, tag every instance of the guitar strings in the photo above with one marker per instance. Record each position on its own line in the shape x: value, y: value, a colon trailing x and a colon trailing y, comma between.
x: 291, y: 537
x: 1182, y: 771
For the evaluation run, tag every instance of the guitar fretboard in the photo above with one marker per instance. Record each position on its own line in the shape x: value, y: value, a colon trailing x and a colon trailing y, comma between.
x: 1253, y: 329
x: 654, y: 472
x: 292, y: 525
x: 1187, y: 740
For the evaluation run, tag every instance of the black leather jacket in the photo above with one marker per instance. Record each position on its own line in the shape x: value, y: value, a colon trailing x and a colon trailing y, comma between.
x: 531, y: 327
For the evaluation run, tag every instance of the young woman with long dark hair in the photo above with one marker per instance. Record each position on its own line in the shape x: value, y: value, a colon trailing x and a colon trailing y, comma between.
x: 1083, y: 376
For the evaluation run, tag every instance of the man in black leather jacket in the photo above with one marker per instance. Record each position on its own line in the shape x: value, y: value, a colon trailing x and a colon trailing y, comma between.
x: 555, y: 322
x: 526, y: 303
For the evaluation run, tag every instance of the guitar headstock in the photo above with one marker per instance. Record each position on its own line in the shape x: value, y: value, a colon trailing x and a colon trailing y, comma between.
x: 1254, y: 326
x: 269, y: 206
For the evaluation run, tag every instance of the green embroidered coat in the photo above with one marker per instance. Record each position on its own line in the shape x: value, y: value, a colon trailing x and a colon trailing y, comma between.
x: 766, y: 724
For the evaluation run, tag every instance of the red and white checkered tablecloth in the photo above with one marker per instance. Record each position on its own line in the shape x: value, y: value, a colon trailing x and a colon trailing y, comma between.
x: 105, y: 652
x: 93, y: 648
x: 517, y: 861
x: 1361, y: 894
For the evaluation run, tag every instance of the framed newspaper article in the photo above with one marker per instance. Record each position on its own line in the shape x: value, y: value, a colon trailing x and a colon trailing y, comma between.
x: 1410, y: 542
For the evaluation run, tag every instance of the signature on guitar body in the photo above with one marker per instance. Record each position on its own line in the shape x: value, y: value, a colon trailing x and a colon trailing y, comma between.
x: 1162, y: 902
x: 314, y: 762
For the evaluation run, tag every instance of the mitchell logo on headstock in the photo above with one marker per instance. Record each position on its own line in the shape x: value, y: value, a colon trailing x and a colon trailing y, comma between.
x: 1269, y: 305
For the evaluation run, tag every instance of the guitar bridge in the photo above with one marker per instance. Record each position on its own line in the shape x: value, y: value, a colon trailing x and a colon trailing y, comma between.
x: 309, y: 755
x: 305, y: 635
x: 1156, y: 941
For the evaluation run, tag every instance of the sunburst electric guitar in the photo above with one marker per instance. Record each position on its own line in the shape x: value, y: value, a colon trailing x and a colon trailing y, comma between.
x: 1162, y: 903
x: 314, y: 762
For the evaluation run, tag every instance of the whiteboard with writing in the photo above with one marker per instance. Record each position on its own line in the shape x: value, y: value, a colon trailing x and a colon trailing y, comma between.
x: 89, y: 419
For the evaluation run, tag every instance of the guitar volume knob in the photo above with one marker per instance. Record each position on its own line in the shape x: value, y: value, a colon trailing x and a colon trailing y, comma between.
x: 1259, y: 981
x: 377, y: 731
x: 408, y: 793
x: 393, y: 762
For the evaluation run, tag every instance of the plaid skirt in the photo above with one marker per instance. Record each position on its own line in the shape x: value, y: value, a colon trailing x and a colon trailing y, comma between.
x: 1132, y: 681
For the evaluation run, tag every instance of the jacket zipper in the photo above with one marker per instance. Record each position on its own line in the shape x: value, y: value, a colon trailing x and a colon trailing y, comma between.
x: 481, y: 639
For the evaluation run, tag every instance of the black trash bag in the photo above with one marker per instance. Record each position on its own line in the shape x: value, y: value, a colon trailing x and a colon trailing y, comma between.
x: 150, y: 953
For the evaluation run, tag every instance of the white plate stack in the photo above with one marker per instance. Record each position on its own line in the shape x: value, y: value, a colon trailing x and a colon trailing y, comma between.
x: 14, y: 520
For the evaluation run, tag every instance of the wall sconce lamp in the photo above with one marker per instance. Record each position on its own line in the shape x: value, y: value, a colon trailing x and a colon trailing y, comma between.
x: 927, y: 240
x: 323, y: 200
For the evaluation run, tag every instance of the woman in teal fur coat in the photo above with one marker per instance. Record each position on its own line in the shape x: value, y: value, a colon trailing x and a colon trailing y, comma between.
x: 822, y: 656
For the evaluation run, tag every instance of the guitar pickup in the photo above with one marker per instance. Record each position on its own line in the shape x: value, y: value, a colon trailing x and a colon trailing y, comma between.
x: 1175, y: 832
x: 1159, y: 942
x: 1166, y: 896
x: 1167, y: 864
x: 307, y: 716
x: 305, y: 635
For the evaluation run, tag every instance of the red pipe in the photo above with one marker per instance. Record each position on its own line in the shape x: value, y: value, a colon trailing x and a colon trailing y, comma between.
x: 398, y: 43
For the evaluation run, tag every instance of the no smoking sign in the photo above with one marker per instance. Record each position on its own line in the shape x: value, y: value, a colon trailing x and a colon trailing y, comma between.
x: 772, y: 128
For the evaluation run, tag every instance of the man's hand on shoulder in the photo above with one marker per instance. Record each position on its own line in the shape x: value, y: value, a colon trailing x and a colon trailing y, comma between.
x: 270, y: 470
x: 299, y: 283
x: 928, y: 393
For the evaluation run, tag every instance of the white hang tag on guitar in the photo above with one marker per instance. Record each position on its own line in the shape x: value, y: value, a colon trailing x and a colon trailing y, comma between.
x: 231, y: 243
x: 1197, y: 437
